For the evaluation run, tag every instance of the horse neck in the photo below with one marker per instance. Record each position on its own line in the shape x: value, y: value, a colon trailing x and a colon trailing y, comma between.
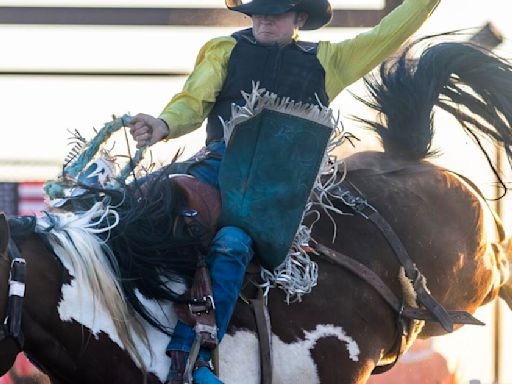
x: 42, y: 294
x: 46, y: 340
x: 54, y: 343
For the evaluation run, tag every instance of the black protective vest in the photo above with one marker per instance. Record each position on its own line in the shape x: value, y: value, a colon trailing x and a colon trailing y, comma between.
x: 288, y: 71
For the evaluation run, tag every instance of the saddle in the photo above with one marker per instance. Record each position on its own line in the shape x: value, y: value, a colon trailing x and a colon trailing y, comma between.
x: 202, y: 204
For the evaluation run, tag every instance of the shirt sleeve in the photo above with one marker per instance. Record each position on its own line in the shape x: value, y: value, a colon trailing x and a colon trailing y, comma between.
x: 349, y: 60
x: 188, y: 109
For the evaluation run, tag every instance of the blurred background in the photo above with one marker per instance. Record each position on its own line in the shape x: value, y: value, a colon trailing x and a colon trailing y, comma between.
x: 72, y: 64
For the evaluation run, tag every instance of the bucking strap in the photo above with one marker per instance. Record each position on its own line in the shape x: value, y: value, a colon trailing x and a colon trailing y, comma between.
x: 354, y: 199
x: 366, y: 274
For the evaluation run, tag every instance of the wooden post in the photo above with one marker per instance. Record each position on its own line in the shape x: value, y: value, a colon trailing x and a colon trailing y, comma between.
x: 490, y: 37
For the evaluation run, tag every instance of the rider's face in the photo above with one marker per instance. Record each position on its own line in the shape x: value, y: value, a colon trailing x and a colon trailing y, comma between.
x: 277, y: 29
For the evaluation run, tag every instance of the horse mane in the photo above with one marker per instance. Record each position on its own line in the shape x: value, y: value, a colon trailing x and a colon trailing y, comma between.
x: 135, y: 227
x: 151, y: 258
x: 74, y: 240
x: 469, y: 82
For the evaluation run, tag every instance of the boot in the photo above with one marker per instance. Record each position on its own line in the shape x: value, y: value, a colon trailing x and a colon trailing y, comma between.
x: 202, y: 373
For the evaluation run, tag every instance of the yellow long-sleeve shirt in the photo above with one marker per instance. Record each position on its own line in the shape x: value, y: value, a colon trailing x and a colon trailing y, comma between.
x: 344, y: 63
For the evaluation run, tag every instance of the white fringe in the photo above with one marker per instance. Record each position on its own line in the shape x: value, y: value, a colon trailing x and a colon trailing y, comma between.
x: 91, y: 263
x: 260, y: 99
x: 298, y: 274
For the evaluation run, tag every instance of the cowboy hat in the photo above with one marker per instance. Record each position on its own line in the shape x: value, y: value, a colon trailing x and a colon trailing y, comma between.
x: 319, y: 11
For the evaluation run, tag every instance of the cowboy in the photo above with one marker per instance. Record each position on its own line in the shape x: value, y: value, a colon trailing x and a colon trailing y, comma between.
x: 271, y: 53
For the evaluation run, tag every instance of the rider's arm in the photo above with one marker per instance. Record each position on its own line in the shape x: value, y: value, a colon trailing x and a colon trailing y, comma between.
x: 349, y: 60
x: 188, y: 109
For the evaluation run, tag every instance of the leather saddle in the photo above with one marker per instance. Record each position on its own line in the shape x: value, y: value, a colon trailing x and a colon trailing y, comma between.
x: 201, y: 203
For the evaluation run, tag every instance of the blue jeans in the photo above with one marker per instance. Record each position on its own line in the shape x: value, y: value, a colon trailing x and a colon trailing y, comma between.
x: 228, y: 258
x: 208, y: 169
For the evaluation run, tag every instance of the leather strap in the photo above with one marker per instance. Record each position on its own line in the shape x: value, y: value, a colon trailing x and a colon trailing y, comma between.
x: 354, y: 199
x: 366, y: 274
x: 263, y: 329
x: 11, y: 326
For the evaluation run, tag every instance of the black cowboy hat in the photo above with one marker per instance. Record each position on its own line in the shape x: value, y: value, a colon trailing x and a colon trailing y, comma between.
x: 319, y: 11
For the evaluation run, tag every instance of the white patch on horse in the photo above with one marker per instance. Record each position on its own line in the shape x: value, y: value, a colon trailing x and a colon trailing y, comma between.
x: 239, y: 357
x: 94, y: 297
x: 332, y: 331
x: 78, y: 304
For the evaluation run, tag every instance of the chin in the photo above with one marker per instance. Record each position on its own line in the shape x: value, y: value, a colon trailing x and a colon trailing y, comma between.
x: 265, y: 40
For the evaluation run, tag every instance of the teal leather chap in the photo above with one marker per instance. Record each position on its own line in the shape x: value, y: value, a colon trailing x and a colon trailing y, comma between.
x: 266, y: 177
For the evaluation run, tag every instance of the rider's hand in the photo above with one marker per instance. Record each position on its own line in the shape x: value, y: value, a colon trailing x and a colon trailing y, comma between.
x: 147, y: 130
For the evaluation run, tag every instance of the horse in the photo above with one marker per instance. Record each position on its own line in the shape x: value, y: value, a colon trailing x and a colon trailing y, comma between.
x: 77, y: 328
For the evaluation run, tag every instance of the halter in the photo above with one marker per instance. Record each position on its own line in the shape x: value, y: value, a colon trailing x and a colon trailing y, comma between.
x: 11, y: 325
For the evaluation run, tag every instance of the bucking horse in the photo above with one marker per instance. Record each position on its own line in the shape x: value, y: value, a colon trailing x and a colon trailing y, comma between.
x: 87, y: 305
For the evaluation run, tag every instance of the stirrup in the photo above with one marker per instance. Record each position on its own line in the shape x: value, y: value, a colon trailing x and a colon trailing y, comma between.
x: 178, y: 364
x: 203, y: 332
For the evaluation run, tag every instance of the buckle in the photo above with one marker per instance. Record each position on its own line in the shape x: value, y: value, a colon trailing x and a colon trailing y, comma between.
x: 202, y: 305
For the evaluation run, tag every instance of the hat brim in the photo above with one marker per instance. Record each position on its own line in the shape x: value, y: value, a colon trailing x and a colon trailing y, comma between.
x: 319, y: 11
x: 266, y: 8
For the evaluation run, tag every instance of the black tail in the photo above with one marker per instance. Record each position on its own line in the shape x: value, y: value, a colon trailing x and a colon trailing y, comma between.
x: 472, y: 84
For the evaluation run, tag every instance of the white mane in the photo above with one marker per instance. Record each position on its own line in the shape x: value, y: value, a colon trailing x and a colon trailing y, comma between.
x: 95, y: 298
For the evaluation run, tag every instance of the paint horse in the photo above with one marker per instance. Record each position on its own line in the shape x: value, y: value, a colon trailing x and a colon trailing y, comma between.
x: 80, y: 324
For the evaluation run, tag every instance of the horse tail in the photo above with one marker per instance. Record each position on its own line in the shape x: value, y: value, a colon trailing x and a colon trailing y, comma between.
x: 472, y: 84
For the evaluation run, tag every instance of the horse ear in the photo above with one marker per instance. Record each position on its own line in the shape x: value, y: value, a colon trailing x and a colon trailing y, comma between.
x: 4, y: 234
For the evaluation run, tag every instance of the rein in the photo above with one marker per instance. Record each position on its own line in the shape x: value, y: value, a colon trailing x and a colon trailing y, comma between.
x: 11, y: 325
